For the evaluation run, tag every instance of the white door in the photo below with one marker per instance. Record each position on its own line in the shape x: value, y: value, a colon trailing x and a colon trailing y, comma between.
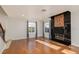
x: 32, y: 29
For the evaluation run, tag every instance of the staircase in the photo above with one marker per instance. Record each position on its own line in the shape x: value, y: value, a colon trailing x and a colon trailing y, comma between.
x: 4, y: 45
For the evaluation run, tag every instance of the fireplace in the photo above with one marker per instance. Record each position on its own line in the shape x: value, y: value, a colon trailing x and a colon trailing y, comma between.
x: 61, y: 27
x: 59, y: 36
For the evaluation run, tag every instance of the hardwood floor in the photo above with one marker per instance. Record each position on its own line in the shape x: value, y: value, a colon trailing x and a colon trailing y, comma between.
x: 36, y: 46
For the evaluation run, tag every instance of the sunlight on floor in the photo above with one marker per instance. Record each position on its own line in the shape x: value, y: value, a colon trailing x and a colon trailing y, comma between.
x: 49, y: 45
x: 66, y: 51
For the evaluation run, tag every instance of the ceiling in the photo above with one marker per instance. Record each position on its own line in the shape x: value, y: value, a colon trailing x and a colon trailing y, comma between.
x: 35, y: 11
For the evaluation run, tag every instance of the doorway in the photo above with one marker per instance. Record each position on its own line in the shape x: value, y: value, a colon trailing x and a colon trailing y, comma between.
x: 31, y: 29
x: 46, y: 29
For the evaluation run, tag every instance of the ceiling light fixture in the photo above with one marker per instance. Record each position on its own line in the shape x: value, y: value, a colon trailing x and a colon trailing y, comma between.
x: 43, y: 10
x: 22, y: 14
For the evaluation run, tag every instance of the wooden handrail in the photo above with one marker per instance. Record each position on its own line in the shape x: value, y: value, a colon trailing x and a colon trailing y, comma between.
x: 2, y: 32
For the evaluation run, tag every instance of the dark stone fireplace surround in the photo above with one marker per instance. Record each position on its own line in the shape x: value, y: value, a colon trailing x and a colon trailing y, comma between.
x: 62, y: 34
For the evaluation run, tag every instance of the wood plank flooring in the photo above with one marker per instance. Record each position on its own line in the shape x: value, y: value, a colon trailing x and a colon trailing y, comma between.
x: 31, y: 46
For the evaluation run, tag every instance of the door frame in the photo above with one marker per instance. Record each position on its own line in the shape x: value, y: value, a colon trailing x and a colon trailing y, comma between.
x: 36, y: 34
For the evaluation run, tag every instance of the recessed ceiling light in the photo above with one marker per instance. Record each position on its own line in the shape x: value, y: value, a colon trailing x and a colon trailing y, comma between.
x: 22, y: 14
x: 43, y: 10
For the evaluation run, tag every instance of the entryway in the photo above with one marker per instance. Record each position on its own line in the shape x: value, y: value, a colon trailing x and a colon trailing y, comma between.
x: 31, y: 29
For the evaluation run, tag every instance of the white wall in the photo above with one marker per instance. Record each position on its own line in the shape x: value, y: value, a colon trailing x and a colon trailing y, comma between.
x: 16, y: 28
x: 75, y: 28
x: 39, y: 28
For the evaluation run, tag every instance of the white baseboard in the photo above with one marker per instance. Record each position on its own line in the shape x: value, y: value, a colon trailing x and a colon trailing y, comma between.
x: 75, y: 45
